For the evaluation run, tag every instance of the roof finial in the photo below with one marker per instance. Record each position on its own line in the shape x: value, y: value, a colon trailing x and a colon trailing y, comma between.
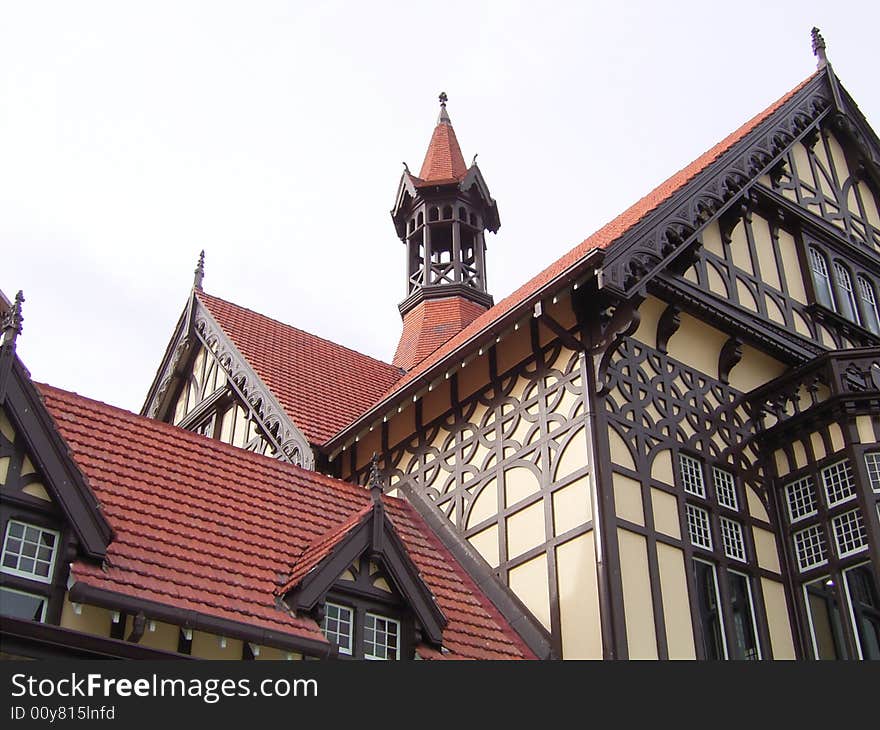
x: 819, y: 48
x: 12, y: 321
x: 375, y: 479
x: 200, y: 271
x: 444, y: 115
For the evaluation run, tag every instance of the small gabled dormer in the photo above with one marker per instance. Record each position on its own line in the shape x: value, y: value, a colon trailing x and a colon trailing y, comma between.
x: 360, y: 584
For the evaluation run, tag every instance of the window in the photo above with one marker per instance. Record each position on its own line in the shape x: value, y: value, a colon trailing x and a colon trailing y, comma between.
x: 865, y: 603
x: 801, y: 498
x: 338, y: 626
x: 723, y: 599
x: 849, y: 533
x: 732, y: 537
x: 745, y: 628
x: 810, y: 547
x: 362, y: 633
x: 29, y: 551
x: 18, y: 604
x: 872, y: 464
x: 839, y: 483
x: 698, y: 527
x: 846, y: 298
x: 870, y: 316
x: 709, y: 605
x: 826, y: 627
x: 725, y: 488
x: 381, y: 637
x: 691, y: 475
x: 821, y: 281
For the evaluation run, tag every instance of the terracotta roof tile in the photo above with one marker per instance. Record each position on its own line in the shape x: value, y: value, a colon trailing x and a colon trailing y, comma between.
x: 320, y: 385
x: 313, y: 554
x: 430, y: 324
x: 601, y: 239
x: 207, y: 527
x: 443, y: 160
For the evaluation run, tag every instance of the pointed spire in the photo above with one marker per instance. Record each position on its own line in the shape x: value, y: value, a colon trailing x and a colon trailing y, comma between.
x: 819, y: 48
x: 12, y: 321
x: 199, y: 271
x: 443, y: 160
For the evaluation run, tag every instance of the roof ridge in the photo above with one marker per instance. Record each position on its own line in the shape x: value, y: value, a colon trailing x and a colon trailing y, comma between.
x: 236, y: 452
x: 201, y: 293
x: 590, y: 243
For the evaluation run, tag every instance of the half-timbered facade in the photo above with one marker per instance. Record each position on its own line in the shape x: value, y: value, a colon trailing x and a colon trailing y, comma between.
x: 664, y: 445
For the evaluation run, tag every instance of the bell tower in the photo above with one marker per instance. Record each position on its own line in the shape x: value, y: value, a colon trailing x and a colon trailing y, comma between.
x: 441, y: 216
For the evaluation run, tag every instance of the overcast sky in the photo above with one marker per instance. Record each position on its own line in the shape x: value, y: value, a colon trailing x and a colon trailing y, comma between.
x: 271, y: 134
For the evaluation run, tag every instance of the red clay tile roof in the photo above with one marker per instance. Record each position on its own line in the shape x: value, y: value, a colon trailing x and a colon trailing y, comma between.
x: 320, y: 385
x: 443, y: 160
x: 312, y: 555
x: 207, y: 527
x: 601, y: 239
x: 430, y: 324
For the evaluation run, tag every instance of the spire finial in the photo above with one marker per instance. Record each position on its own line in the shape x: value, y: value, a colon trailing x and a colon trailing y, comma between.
x: 13, y: 319
x: 200, y: 271
x: 819, y: 48
x: 10, y: 325
x: 375, y: 479
x: 444, y: 115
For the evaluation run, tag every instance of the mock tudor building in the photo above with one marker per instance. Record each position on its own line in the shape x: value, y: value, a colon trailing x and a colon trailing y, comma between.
x: 664, y: 445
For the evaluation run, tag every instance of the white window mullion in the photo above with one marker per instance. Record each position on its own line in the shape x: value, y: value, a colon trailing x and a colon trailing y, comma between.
x: 338, y: 626
x: 29, y: 551
x: 691, y: 475
x: 872, y: 464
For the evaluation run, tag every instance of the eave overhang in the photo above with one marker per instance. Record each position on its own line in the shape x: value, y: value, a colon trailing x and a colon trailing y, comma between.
x: 37, y: 640
x: 672, y: 227
x: 575, y: 274
x: 410, y: 188
x: 84, y: 593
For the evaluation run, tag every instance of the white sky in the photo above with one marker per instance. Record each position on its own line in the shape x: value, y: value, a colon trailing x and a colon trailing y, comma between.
x: 271, y: 134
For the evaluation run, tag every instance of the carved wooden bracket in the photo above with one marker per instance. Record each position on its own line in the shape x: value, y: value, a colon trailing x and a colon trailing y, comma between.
x: 668, y: 325
x: 729, y: 358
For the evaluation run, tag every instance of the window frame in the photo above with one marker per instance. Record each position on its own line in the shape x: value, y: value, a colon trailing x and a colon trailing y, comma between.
x: 715, y: 508
x: 361, y: 604
x: 719, y: 610
x: 351, y: 624
x: 872, y: 469
x: 843, y: 285
x: 387, y: 620
x: 868, y: 303
x: 853, y: 611
x: 750, y: 595
x: 44, y: 598
x: 816, y: 255
x: 29, y: 575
